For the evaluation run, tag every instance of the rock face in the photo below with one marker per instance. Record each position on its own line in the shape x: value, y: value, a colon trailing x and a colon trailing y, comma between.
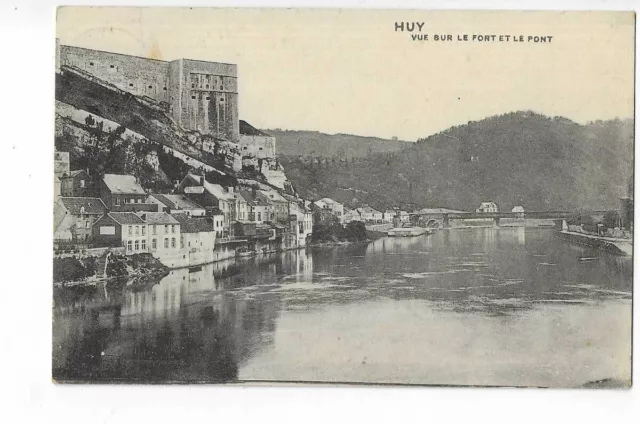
x: 88, y: 109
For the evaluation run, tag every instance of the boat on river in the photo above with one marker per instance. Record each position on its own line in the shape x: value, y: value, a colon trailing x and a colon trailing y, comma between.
x: 408, y: 232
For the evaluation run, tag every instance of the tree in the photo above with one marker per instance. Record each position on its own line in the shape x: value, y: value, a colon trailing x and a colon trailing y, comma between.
x: 611, y: 219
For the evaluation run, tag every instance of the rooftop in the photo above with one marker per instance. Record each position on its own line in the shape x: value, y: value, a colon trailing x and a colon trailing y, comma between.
x: 122, y: 184
x: 157, y: 218
x: 126, y: 218
x: 193, y: 224
x: 91, y: 205
x: 177, y: 201
x: 248, y: 129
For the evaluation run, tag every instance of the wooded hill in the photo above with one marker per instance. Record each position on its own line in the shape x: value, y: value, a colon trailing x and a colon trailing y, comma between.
x: 519, y: 158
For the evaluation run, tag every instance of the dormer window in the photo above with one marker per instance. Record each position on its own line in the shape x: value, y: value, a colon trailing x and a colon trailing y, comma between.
x: 81, y: 210
x: 150, y: 86
x: 112, y: 66
x: 90, y: 63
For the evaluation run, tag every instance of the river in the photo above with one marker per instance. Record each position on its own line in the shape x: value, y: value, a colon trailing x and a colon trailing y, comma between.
x: 479, y: 306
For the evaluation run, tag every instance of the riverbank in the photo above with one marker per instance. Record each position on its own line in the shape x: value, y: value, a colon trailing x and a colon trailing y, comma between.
x: 613, y: 245
x: 109, y: 268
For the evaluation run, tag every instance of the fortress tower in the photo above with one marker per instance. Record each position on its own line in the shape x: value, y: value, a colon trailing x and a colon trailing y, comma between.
x: 200, y: 96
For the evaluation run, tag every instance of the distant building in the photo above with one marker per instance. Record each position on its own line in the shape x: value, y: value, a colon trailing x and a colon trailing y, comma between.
x: 60, y: 164
x: 487, y: 207
x: 76, y: 184
x: 404, y: 216
x: 74, y: 218
x: 518, y: 210
x: 122, y: 193
x: 336, y: 208
x: 117, y: 229
x: 176, y: 203
x: 255, y: 143
x: 369, y: 214
x: 351, y: 215
x: 389, y: 214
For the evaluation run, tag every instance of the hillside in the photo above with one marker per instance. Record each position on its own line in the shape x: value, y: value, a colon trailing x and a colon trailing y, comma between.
x: 520, y: 158
x: 321, y: 145
x: 107, y: 130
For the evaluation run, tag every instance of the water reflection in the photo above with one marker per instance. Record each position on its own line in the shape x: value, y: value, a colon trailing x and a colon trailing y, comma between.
x: 278, y: 315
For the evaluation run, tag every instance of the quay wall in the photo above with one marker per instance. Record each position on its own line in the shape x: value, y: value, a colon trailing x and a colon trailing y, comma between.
x: 615, y: 247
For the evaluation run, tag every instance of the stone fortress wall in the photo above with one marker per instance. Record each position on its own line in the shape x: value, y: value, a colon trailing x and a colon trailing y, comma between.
x: 200, y: 95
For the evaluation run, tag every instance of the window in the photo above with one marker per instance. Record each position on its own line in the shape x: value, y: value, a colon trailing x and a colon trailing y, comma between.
x: 81, y: 210
x: 117, y: 201
x: 166, y: 243
x: 150, y: 86
x: 130, y: 229
x: 181, y: 243
x: 154, y: 244
x: 137, y: 231
x: 90, y: 63
x: 259, y: 216
x: 81, y: 183
x: 259, y: 148
x: 130, y: 84
x: 173, y: 242
x: 137, y: 245
x: 111, y: 66
x: 173, y: 229
x: 193, y: 97
x: 144, y: 244
x: 208, y: 98
x: 166, y: 229
x: 207, y: 87
x: 193, y: 86
x: 164, y: 88
x: 244, y: 148
x: 129, y: 245
x: 144, y: 229
x: 86, y: 224
x: 154, y: 229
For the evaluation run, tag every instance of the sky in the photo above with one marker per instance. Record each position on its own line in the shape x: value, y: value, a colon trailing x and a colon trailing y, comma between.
x: 351, y: 71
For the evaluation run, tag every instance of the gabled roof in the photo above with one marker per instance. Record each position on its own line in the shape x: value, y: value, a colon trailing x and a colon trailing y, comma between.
x: 125, y: 218
x: 75, y: 173
x: 367, y: 209
x: 248, y: 129
x: 177, y: 201
x: 274, y: 196
x: 91, y: 205
x: 157, y: 218
x: 122, y: 184
x: 193, y: 224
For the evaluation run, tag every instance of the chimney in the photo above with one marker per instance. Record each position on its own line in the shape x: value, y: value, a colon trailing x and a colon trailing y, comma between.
x: 230, y: 189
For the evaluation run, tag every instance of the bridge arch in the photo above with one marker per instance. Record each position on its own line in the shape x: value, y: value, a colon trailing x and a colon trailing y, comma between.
x: 433, y: 223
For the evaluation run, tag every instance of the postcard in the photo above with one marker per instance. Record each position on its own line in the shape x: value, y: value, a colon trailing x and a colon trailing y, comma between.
x: 343, y: 196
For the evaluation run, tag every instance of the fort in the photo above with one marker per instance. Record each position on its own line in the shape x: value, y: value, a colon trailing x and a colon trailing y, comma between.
x: 198, y: 95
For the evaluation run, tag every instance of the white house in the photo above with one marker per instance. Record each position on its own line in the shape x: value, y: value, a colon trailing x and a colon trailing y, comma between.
x: 519, y: 210
x: 487, y: 207
x: 336, y: 208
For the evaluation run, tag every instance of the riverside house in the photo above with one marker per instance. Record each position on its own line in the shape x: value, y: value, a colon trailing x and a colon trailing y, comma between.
x: 163, y: 237
x: 197, y: 239
x: 122, y: 193
x: 74, y: 218
x: 209, y: 195
x: 336, y: 208
x: 116, y: 229
x: 176, y: 203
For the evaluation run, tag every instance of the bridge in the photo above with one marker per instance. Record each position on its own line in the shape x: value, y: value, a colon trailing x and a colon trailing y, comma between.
x: 443, y: 218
